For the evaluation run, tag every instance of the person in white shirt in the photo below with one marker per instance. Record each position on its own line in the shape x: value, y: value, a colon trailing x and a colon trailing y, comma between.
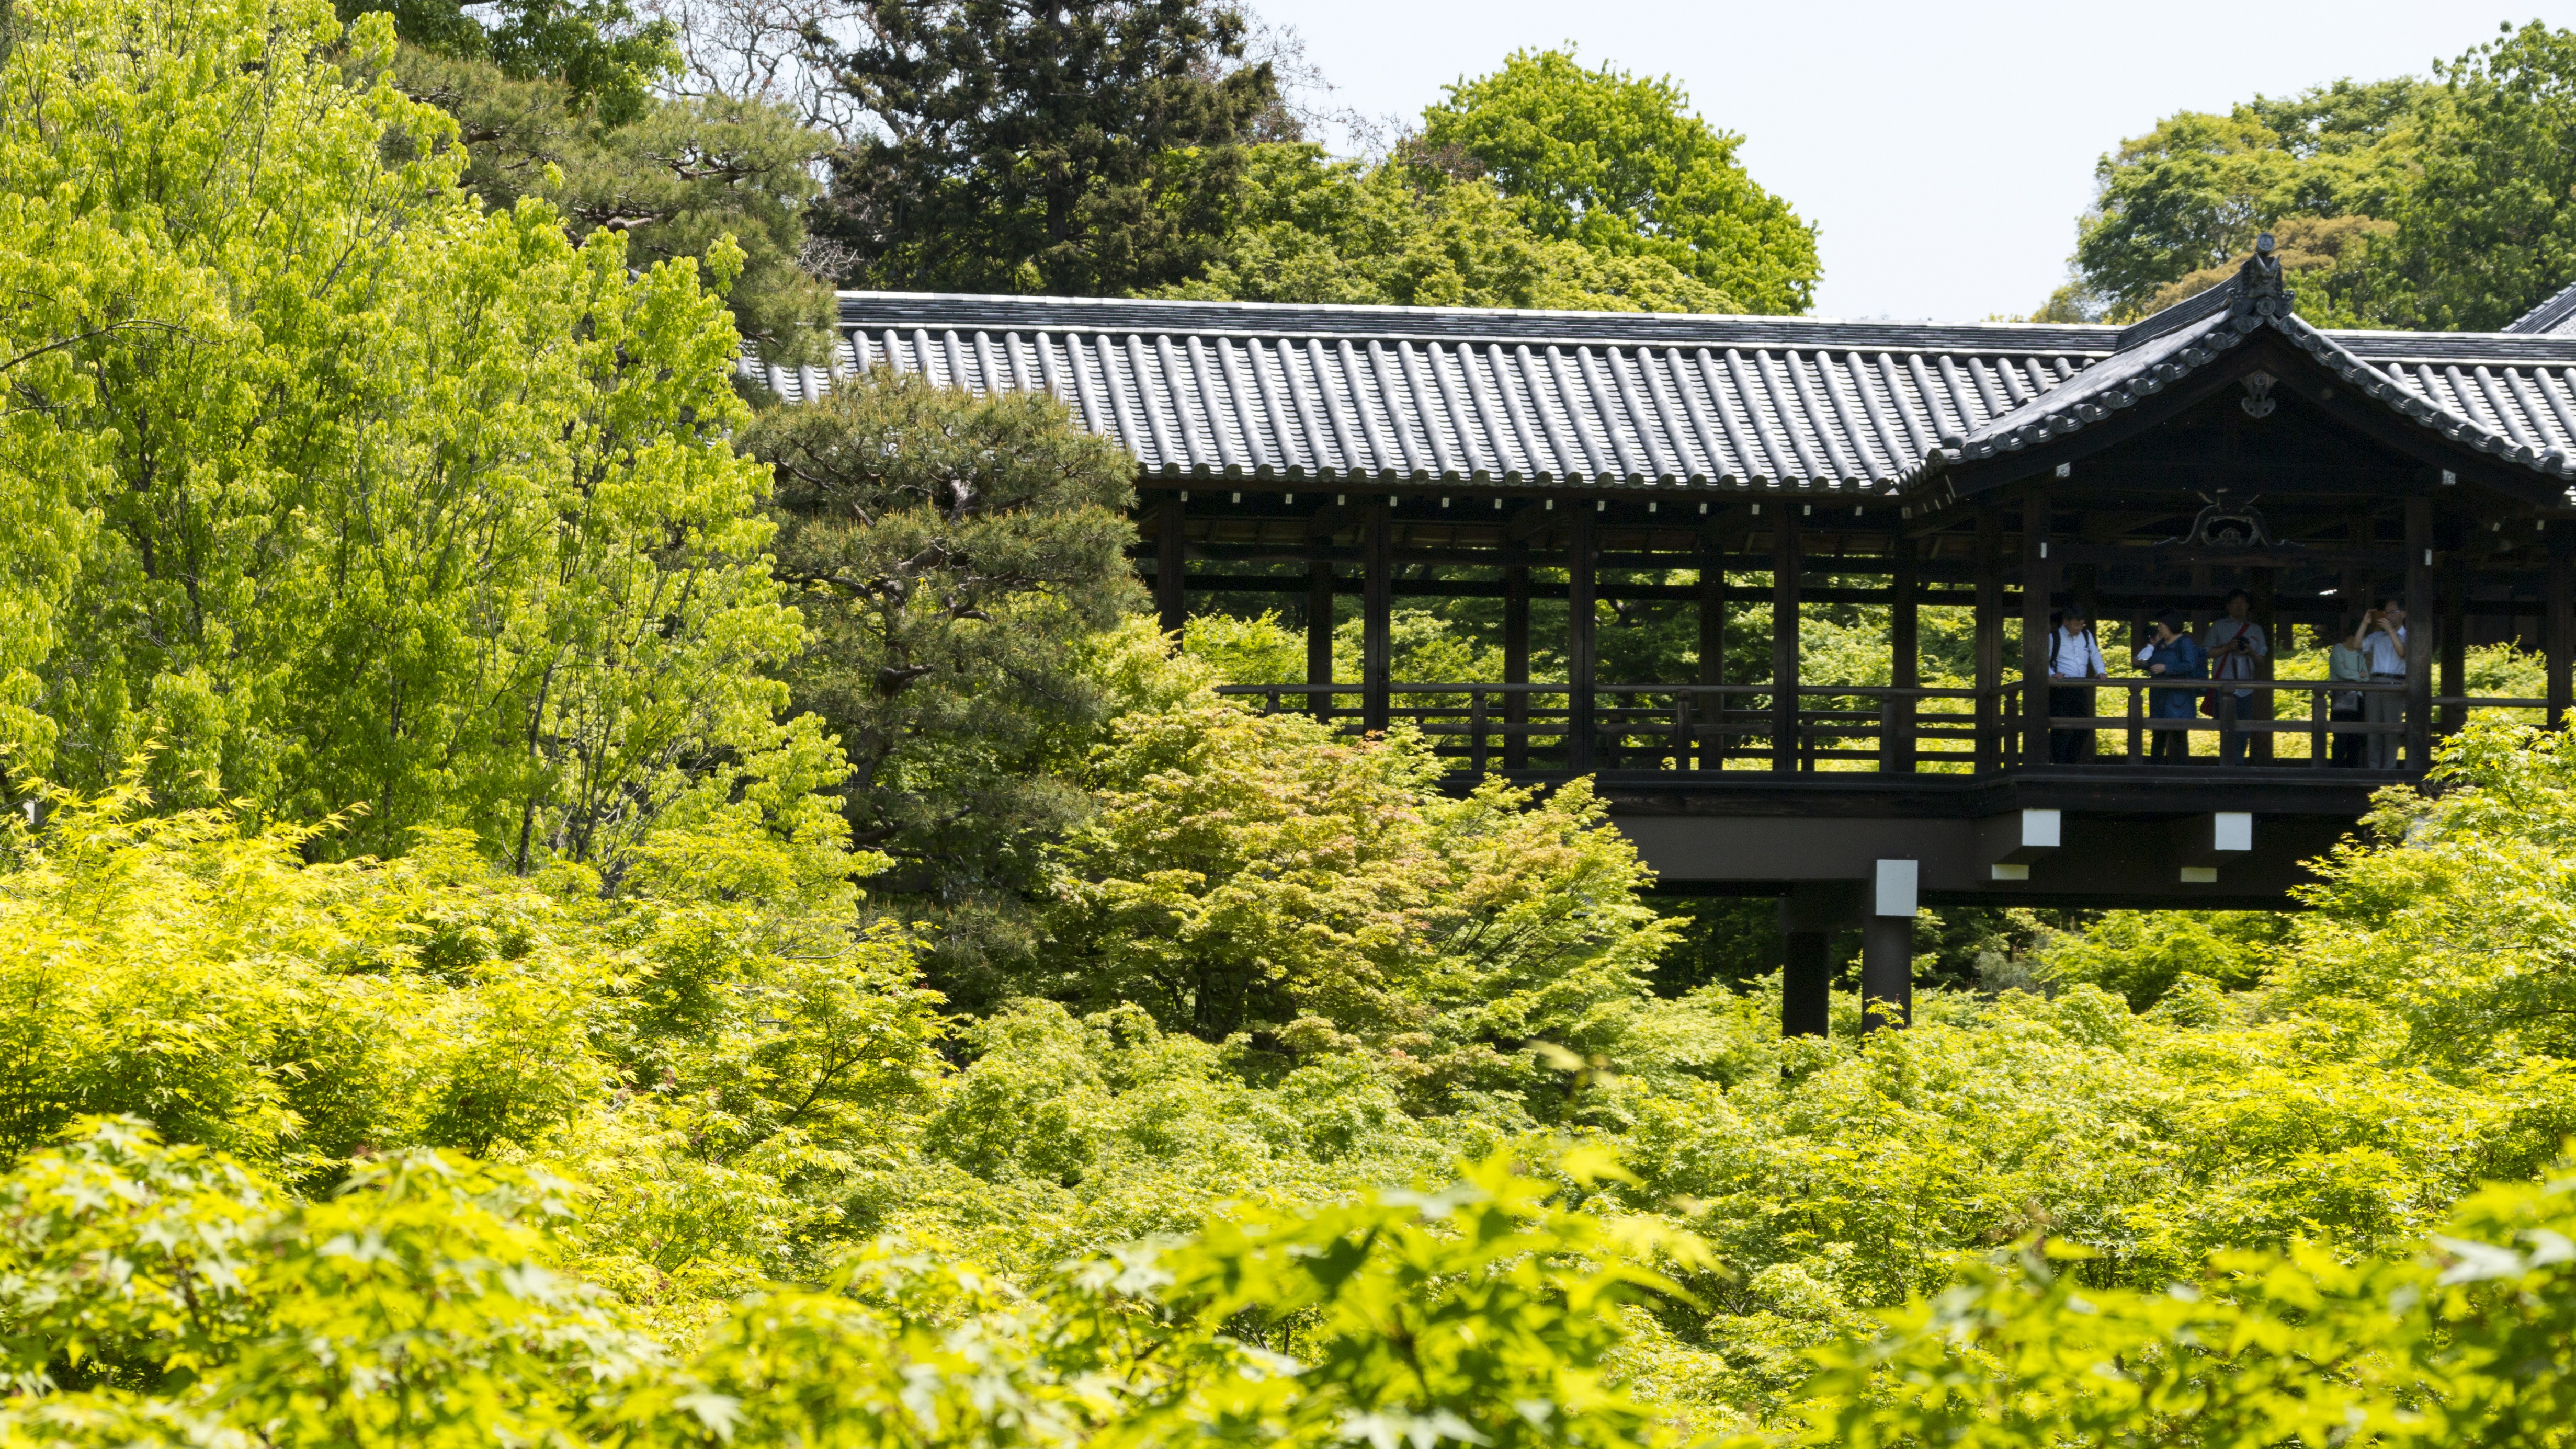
x: 2237, y: 650
x: 2073, y: 653
x: 2382, y: 642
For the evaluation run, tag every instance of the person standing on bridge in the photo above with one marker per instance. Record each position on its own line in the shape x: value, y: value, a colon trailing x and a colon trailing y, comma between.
x: 2172, y: 655
x: 2073, y: 653
x: 2236, y: 651
x: 2382, y: 641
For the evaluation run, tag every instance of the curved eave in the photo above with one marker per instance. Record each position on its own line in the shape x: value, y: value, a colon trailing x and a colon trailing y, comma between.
x: 2123, y: 383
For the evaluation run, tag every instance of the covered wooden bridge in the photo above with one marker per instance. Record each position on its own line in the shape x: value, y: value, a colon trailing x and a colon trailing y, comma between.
x: 2012, y: 469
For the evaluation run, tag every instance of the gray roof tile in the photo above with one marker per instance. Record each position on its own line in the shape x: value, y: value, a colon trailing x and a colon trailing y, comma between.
x: 1383, y: 394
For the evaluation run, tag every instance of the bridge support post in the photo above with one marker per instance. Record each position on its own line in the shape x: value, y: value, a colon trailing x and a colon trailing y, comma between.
x: 1886, y: 972
x: 1887, y: 946
x: 1806, y: 983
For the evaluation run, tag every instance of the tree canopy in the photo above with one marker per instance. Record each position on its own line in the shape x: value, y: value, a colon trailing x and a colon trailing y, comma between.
x: 2407, y: 203
x: 1621, y: 164
x: 361, y: 496
x: 1084, y: 147
x: 605, y: 57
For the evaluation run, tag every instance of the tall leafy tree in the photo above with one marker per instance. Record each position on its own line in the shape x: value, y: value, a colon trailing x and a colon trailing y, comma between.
x: 381, y: 499
x: 604, y: 55
x: 955, y: 557
x: 675, y: 178
x: 2490, y: 229
x: 2192, y: 194
x: 1069, y: 146
x: 1622, y: 164
x: 1311, y: 229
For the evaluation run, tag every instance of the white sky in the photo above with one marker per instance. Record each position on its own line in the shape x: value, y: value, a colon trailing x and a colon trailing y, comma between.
x: 1943, y: 150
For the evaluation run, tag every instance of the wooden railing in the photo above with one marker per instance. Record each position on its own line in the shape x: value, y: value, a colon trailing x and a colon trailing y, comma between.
x: 1485, y: 727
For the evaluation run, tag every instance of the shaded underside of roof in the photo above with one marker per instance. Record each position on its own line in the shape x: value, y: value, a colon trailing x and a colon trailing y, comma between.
x: 1387, y: 394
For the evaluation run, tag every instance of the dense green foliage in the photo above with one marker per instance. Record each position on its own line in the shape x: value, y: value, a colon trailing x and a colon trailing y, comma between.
x: 1084, y: 147
x: 541, y: 905
x: 2406, y: 202
x: 1620, y: 163
x: 358, y: 495
x: 673, y: 178
x: 598, y: 50
x: 956, y: 561
x: 1306, y: 228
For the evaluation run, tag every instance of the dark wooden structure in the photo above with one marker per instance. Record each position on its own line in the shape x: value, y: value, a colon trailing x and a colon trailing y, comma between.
x: 1316, y: 453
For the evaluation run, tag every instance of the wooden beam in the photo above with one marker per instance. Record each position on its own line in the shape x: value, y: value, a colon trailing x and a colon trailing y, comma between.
x: 1784, y: 636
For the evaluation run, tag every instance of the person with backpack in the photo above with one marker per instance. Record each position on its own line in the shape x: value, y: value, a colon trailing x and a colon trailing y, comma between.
x: 2073, y: 653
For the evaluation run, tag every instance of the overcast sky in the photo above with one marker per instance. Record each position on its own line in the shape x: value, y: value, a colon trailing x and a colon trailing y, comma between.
x: 1943, y: 150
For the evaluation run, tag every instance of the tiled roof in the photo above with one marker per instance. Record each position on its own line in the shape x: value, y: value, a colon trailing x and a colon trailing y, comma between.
x: 2555, y: 317
x: 1377, y: 394
x: 2520, y: 415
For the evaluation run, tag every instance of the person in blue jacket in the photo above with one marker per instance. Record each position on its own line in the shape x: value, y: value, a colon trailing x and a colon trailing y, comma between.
x: 2173, y: 655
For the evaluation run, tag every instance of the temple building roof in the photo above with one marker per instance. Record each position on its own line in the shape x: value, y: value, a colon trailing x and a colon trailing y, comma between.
x: 1379, y: 395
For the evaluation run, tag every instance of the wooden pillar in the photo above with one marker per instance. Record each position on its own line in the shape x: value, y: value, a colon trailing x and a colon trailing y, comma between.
x: 1377, y: 617
x: 1516, y: 645
x: 1886, y: 971
x: 1171, y: 595
x: 1784, y: 636
x: 2038, y: 571
x: 2558, y: 634
x: 1905, y: 669
x: 1710, y: 709
x: 1806, y: 983
x: 2263, y: 584
x: 1579, y: 661
x: 2419, y: 632
x: 1319, y: 633
x: 2455, y: 642
x: 1990, y: 636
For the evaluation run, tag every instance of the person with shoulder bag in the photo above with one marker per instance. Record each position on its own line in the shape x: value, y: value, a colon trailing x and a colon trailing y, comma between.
x: 2172, y: 655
